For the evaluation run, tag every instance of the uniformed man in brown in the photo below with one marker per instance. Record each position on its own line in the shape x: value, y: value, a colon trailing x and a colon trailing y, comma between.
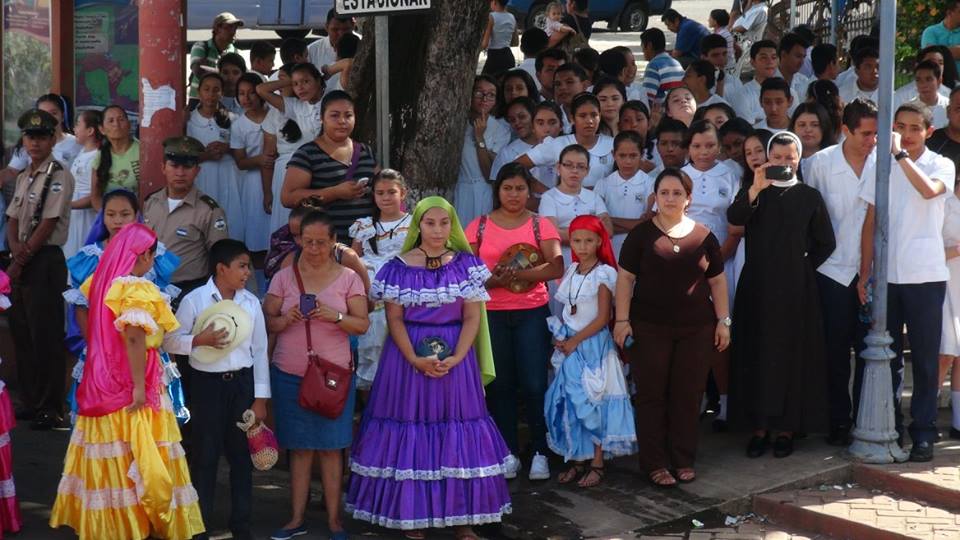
x: 39, y: 218
x: 185, y: 220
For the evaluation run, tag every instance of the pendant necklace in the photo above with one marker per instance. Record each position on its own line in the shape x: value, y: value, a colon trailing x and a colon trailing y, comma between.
x: 572, y: 300
x: 401, y: 221
x: 433, y: 263
x: 675, y: 242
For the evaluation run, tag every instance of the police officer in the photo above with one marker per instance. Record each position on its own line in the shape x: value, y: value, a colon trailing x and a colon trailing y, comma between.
x: 185, y: 220
x: 39, y: 218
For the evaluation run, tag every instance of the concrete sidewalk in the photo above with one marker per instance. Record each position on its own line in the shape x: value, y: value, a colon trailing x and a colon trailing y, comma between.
x: 623, y: 506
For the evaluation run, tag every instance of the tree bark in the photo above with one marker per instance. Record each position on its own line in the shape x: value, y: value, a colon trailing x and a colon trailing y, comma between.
x: 433, y: 62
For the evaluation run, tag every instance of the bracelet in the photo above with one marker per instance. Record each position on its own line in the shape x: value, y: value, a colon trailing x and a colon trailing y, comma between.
x: 621, y: 321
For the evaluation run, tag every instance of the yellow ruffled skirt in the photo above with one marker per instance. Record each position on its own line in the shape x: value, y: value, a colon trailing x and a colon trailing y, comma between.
x: 125, y: 477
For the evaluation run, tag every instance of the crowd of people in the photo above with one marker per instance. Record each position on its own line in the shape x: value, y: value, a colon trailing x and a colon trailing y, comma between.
x: 616, y: 246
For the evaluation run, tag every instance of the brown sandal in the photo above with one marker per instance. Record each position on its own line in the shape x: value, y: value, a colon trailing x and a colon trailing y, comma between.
x: 571, y: 474
x: 662, y: 479
x: 594, y: 472
x: 416, y: 534
x: 686, y: 475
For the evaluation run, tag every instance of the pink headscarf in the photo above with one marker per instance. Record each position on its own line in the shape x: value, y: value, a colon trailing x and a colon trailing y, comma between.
x: 107, y: 383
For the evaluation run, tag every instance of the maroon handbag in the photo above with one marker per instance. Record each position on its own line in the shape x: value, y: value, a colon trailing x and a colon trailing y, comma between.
x: 325, y: 386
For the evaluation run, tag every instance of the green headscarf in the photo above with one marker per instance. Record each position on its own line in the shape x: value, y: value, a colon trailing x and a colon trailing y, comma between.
x: 456, y: 242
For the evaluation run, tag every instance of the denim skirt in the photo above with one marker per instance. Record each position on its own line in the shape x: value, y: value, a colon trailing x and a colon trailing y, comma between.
x: 301, y: 429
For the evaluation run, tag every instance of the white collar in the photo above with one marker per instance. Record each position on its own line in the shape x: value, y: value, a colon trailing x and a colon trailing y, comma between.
x: 784, y: 183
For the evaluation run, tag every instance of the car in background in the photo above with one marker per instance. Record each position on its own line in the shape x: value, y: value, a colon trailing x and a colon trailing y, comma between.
x: 625, y: 15
x: 289, y: 18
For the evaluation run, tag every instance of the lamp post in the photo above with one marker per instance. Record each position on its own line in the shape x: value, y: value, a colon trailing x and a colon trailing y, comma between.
x: 875, y: 436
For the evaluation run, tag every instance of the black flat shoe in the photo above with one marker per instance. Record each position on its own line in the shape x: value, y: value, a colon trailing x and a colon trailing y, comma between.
x: 758, y: 446
x: 782, y: 446
x: 921, y: 452
x: 839, y: 436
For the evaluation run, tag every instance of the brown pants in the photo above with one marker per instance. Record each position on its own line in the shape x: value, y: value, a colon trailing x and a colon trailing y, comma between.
x: 669, y: 366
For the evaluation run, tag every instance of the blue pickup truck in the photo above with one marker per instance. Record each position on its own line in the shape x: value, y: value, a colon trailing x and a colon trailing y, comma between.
x: 625, y: 15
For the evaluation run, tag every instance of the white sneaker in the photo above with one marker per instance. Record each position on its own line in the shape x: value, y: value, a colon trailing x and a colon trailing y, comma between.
x: 511, y: 466
x: 539, y: 469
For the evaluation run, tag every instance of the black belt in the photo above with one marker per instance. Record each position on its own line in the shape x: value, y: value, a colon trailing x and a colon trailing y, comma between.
x: 223, y: 375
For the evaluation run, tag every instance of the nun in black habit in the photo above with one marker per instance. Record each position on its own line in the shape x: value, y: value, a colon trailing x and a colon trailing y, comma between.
x: 778, y: 378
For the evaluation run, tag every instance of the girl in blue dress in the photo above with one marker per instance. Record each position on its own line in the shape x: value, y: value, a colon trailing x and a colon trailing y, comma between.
x: 587, y: 407
x: 120, y: 207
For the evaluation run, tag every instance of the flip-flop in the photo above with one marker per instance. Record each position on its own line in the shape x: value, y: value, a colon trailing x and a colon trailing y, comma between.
x: 577, y: 469
x: 656, y: 477
x: 685, y: 475
x: 598, y: 471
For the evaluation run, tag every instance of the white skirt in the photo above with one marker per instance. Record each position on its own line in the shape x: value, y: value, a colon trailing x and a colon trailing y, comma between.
x: 950, y: 337
x: 81, y: 221
x: 369, y: 347
x: 279, y: 215
x: 256, y: 225
x: 219, y: 179
x: 472, y: 199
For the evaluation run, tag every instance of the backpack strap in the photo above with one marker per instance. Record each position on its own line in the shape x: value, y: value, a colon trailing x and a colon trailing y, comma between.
x: 480, y: 227
x: 536, y: 229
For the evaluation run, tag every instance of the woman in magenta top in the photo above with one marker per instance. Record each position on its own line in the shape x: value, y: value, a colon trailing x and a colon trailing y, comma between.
x: 341, y: 311
x: 518, y: 321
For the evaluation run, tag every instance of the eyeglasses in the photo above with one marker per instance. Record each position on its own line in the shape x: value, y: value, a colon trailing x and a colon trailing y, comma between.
x: 491, y: 96
x: 579, y: 167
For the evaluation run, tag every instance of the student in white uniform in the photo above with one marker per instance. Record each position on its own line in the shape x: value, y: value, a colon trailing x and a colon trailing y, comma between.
x: 867, y: 65
x: 840, y: 173
x: 586, y: 121
x: 246, y: 144
x: 210, y: 124
x: 950, y: 341
x: 776, y: 100
x: 746, y: 99
x: 323, y: 52
x: 519, y: 116
x: 627, y: 191
x: 231, y: 66
x: 64, y: 150
x: 909, y: 92
x: 292, y: 121
x: 547, y: 123
x: 811, y: 123
x: 82, y: 214
x: 928, y: 77
x: 612, y: 95
x: 483, y: 139
x: 570, y: 198
x: 916, y: 266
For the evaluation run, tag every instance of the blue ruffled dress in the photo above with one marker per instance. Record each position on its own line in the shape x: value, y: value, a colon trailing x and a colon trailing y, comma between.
x: 587, y: 403
x: 81, y: 267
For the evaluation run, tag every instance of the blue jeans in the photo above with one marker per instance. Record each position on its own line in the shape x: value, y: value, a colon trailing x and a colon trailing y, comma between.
x: 920, y: 307
x: 521, y: 351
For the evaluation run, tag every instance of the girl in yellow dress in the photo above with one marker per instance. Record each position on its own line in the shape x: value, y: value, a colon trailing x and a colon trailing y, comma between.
x: 125, y: 475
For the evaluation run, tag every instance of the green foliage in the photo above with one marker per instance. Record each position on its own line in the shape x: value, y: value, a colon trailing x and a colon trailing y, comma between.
x: 27, y: 68
x: 913, y: 16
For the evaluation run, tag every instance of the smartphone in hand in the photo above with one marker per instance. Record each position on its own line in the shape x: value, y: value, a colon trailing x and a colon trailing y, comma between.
x: 308, y: 303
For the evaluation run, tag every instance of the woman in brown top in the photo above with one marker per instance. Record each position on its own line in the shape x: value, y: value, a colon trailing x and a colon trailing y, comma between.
x: 670, y: 268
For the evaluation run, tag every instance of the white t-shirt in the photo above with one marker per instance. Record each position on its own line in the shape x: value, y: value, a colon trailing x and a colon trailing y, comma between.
x: 713, y: 192
x: 842, y: 190
x: 851, y: 91
x: 745, y: 100
x: 273, y: 123
x: 547, y: 153
x: 583, y: 291
x: 939, y: 110
x: 915, y: 253
x: 82, y: 171
x: 908, y: 92
x: 306, y: 114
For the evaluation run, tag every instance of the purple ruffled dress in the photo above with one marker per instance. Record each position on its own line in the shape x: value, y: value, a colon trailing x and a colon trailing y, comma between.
x: 428, y: 454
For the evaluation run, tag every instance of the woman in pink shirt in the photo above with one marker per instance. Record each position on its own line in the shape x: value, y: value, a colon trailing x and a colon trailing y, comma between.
x: 518, y: 320
x: 339, y: 309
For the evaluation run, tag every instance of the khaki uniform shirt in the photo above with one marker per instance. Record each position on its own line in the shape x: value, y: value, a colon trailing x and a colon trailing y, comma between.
x: 26, y: 197
x: 189, y: 231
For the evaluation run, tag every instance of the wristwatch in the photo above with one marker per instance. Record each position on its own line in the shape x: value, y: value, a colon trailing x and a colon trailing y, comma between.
x: 339, y: 318
x: 726, y: 321
x: 482, y: 145
x: 901, y: 154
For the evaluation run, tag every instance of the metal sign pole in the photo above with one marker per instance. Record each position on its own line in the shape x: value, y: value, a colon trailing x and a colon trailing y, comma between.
x: 793, y: 14
x: 382, y: 49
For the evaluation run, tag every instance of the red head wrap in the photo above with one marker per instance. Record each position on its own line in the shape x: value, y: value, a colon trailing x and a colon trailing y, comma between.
x: 593, y: 224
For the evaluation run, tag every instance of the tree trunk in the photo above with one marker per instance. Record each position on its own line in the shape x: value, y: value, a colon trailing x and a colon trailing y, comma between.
x: 433, y: 61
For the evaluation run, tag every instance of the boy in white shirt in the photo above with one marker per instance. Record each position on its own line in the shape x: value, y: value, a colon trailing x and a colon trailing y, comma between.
x: 840, y: 173
x: 928, y: 77
x: 223, y: 389
x: 920, y: 181
x: 867, y: 64
x: 776, y: 101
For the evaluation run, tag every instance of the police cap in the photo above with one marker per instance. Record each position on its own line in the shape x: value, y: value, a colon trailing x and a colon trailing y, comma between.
x: 182, y: 150
x: 37, y: 122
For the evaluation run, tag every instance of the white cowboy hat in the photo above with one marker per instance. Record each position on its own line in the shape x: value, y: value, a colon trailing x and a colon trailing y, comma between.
x: 224, y: 315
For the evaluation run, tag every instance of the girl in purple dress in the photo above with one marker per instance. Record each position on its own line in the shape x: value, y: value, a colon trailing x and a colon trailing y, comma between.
x: 429, y: 454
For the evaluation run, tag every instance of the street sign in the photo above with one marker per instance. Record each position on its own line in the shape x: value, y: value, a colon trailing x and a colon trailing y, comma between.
x: 379, y: 7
